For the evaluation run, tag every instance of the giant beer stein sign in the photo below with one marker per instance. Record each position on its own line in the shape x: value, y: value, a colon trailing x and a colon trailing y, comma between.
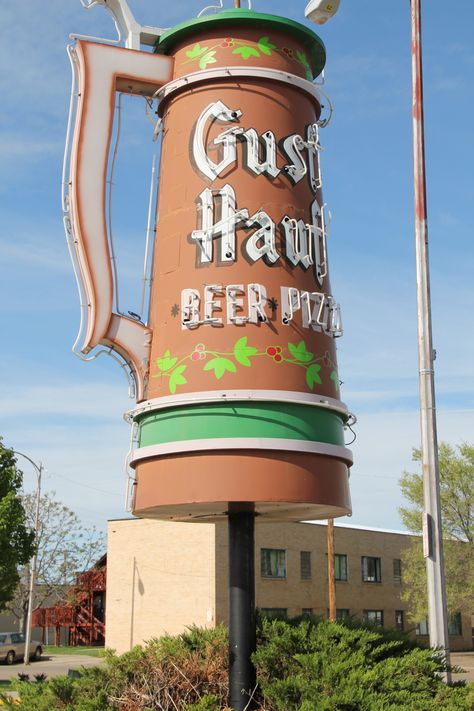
x: 237, y: 382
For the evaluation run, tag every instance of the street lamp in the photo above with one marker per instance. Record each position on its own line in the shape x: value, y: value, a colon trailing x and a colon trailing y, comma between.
x: 39, y: 471
x: 319, y: 11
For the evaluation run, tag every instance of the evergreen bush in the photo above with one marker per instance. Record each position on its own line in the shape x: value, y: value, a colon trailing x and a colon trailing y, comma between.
x: 302, y: 665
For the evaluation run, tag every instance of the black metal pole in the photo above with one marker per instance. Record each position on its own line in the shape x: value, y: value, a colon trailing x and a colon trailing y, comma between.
x: 242, y: 632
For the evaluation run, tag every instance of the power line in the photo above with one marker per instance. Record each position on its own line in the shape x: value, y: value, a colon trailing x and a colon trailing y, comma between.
x: 86, y: 486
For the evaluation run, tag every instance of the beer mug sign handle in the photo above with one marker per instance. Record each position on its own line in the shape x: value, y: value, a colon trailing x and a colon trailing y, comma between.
x: 102, y: 71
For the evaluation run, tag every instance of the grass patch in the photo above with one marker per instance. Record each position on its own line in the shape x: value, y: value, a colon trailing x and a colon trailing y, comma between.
x: 88, y: 651
x: 5, y: 688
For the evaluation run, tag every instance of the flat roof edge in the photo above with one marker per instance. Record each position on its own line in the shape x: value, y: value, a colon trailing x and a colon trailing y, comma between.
x: 358, y: 527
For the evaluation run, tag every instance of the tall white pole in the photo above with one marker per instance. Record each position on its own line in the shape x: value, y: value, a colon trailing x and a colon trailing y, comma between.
x: 31, y: 590
x: 432, y: 527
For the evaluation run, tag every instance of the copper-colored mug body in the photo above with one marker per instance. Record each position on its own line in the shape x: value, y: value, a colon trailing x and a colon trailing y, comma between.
x: 242, y: 401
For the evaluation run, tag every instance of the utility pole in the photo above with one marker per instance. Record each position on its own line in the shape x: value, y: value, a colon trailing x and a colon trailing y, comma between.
x: 331, y: 577
x: 432, y: 527
x: 31, y: 590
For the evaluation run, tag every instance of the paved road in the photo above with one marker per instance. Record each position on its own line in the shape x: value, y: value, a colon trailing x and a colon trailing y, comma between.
x: 51, y: 665
x: 466, y: 661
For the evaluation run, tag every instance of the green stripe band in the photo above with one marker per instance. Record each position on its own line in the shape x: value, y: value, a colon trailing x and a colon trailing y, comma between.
x: 241, y: 419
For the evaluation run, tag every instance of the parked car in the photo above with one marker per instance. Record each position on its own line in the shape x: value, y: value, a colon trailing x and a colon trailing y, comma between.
x: 12, y: 647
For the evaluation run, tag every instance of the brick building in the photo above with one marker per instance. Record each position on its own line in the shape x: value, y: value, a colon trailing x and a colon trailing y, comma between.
x: 164, y: 576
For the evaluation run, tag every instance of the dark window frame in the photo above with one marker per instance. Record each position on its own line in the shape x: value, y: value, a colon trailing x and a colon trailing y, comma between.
x: 275, y: 612
x: 339, y: 577
x: 455, y: 625
x: 368, y: 576
x: 400, y: 620
x: 397, y: 571
x: 422, y: 628
x: 265, y: 565
x: 306, y: 572
x: 378, y: 614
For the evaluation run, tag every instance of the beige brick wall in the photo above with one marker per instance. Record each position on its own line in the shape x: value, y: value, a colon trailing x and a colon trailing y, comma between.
x: 295, y: 594
x: 290, y: 593
x: 357, y: 595
x: 160, y: 579
x: 354, y: 595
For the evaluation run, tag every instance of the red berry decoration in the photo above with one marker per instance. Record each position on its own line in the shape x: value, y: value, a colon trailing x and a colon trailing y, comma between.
x: 200, y: 347
x: 278, y: 349
x: 271, y: 351
x: 195, y: 356
x: 277, y: 358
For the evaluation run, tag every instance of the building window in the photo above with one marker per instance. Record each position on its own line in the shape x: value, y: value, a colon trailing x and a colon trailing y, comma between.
x: 275, y: 613
x: 273, y: 563
x: 399, y: 620
x: 371, y: 570
x: 307, y: 611
x: 305, y: 565
x: 374, y: 617
x: 340, y: 567
x: 455, y: 624
x: 397, y: 571
x: 342, y: 614
x: 422, y: 628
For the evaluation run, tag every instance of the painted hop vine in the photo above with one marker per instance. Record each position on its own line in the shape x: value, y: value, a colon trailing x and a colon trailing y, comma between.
x: 242, y: 354
x: 207, y: 55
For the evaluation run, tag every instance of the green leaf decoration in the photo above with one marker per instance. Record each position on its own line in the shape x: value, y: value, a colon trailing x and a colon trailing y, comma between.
x: 220, y: 366
x: 167, y: 362
x: 242, y: 352
x: 208, y: 58
x: 177, y: 378
x: 299, y: 352
x: 309, y: 75
x: 301, y: 56
x: 265, y: 46
x: 334, y: 376
x: 247, y: 52
x: 312, y: 375
x: 196, y: 51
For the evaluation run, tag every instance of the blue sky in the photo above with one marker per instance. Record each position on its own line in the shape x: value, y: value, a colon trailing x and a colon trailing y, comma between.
x: 68, y: 414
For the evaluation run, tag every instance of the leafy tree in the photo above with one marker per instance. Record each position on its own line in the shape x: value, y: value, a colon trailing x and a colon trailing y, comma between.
x: 16, y: 538
x: 456, y: 473
x: 65, y: 548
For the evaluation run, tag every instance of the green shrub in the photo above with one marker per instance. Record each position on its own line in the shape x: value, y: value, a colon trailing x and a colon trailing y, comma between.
x: 321, y: 666
x: 61, y: 692
x: 208, y: 703
x: 302, y: 665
